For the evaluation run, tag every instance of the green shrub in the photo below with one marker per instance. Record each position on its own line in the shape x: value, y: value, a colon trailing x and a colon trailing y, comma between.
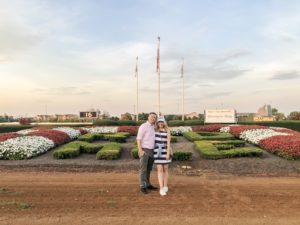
x: 70, y: 150
x: 135, y: 153
x: 115, y: 137
x: 126, y: 134
x: 235, y: 143
x: 224, y: 147
x: 13, y: 128
x: 193, y: 136
x: 109, y: 151
x: 89, y: 148
x: 182, y: 155
x: 91, y: 137
x: 210, y: 151
x: 173, y: 139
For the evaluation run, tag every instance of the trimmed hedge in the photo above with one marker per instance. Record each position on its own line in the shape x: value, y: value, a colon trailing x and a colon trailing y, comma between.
x: 173, y: 139
x: 117, y: 123
x: 173, y: 123
x: 73, y: 149
x: 109, y: 151
x: 115, y: 137
x: 182, y: 155
x: 90, y: 137
x: 210, y: 151
x: 70, y: 150
x: 13, y: 128
x: 135, y: 153
x: 89, y: 148
x: 193, y: 136
x: 235, y: 143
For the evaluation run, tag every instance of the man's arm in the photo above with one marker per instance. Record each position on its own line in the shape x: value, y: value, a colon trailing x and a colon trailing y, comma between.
x: 139, y: 137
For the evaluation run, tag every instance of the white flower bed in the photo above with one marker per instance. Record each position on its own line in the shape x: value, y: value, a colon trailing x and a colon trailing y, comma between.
x: 227, y: 128
x: 24, y: 147
x: 73, y: 133
x: 179, y: 130
x: 256, y: 135
x: 26, y: 131
x: 101, y: 130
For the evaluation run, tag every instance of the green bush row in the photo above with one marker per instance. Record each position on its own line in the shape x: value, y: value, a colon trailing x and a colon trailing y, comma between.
x: 73, y: 149
x: 13, y: 128
x: 210, y: 151
x: 117, y: 137
x: 110, y: 151
x: 138, y: 123
x: 235, y: 143
x: 182, y: 155
x: 193, y: 136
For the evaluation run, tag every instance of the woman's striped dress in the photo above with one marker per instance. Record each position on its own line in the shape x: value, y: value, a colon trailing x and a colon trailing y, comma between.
x: 160, y: 148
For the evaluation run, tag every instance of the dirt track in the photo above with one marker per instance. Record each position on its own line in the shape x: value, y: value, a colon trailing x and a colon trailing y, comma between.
x: 114, y: 198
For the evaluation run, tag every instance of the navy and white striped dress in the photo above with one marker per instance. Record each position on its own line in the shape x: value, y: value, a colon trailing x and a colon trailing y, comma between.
x: 160, y: 148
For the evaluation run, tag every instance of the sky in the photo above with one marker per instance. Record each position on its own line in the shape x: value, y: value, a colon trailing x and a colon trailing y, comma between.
x: 59, y: 56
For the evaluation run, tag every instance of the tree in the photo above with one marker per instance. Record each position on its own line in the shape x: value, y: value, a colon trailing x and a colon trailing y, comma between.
x: 294, y: 115
x: 143, y: 116
x: 126, y: 116
x: 278, y: 116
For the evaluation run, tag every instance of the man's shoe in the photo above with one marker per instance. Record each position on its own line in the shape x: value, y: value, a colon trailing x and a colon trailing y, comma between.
x: 152, y: 188
x: 144, y: 190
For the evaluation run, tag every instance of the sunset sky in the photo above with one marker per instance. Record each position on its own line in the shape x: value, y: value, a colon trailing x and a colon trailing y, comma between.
x: 80, y: 54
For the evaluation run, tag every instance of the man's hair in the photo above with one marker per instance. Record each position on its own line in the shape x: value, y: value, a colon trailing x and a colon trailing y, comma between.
x: 152, y: 113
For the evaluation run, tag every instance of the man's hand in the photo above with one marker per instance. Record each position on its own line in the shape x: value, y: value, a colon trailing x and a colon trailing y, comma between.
x: 141, y: 153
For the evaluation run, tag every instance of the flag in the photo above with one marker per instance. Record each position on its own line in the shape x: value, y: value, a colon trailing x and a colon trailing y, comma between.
x: 136, y: 67
x: 158, y: 56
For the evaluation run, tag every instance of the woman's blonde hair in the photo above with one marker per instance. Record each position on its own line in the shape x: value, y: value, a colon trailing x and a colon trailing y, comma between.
x: 165, y: 126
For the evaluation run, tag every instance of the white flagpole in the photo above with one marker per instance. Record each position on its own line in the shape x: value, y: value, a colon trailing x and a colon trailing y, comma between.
x: 158, y: 73
x: 137, y: 89
x: 182, y: 77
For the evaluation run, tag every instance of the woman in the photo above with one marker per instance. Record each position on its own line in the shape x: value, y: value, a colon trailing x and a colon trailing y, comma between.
x: 162, y: 153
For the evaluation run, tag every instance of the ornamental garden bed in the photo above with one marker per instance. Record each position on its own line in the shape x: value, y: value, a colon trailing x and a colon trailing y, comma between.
x: 224, y: 149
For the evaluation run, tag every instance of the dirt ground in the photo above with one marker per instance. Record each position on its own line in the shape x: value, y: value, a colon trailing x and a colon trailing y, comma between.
x: 35, y: 197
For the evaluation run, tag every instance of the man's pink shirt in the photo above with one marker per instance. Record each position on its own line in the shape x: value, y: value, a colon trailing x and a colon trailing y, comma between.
x: 146, y: 134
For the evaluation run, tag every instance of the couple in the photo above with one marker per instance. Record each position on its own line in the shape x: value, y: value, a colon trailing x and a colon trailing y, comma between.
x: 153, y: 140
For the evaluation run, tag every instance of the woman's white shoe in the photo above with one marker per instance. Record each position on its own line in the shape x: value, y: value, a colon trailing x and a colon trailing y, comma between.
x: 162, y: 192
x: 166, y: 189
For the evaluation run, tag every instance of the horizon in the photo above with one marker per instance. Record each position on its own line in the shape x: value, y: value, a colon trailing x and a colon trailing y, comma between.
x: 62, y: 57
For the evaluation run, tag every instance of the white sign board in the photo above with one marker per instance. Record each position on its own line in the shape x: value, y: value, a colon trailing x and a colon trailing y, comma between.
x: 219, y: 116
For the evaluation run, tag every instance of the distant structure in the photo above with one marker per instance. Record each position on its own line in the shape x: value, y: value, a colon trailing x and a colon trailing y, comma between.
x: 264, y: 113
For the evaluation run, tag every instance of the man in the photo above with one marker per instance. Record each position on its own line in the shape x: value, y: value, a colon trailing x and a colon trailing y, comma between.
x: 145, y: 141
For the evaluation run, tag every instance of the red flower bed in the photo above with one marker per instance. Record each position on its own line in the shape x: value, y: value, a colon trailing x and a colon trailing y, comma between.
x: 237, y: 130
x: 130, y: 129
x: 287, y: 131
x: 58, y: 137
x: 208, y: 128
x: 6, y: 136
x: 285, y: 146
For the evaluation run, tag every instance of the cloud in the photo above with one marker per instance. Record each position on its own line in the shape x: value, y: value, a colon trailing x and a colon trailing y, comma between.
x: 66, y: 90
x: 218, y: 94
x: 285, y: 75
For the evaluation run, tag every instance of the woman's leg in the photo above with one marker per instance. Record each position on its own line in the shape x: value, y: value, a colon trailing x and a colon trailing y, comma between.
x: 165, y: 175
x: 160, y: 175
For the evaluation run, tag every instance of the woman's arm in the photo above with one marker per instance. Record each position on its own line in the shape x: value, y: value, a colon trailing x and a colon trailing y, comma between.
x: 168, y: 144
